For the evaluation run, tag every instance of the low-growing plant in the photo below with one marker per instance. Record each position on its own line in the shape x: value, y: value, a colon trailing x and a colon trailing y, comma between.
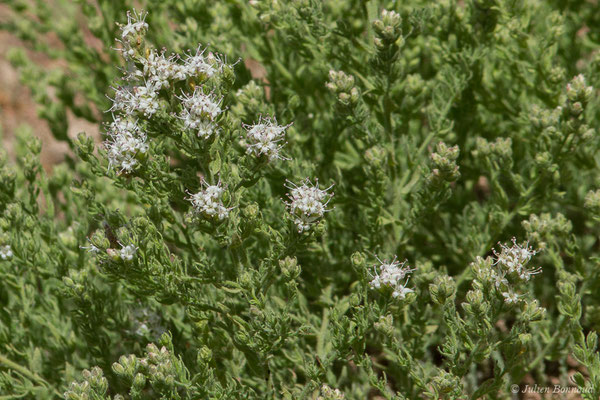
x: 304, y: 200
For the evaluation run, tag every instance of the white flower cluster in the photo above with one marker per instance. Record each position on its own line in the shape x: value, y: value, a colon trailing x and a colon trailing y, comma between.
x: 127, y: 252
x: 392, y: 275
x: 149, y: 73
x: 141, y: 100
x: 209, y: 201
x: 159, y: 70
x: 6, y: 252
x: 509, y: 265
x: 264, y: 138
x: 136, y: 26
x: 90, y: 248
x: 307, y: 203
x: 327, y: 393
x: 125, y: 145
x: 202, y: 66
x: 513, y: 260
x: 200, y: 112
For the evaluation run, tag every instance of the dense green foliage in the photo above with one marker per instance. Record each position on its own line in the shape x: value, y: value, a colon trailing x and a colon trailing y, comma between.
x: 235, y: 235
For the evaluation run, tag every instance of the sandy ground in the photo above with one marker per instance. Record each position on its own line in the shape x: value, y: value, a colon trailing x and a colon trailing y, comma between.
x: 17, y: 108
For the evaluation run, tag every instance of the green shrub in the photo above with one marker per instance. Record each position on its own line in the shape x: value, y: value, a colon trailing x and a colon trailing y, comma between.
x: 338, y: 199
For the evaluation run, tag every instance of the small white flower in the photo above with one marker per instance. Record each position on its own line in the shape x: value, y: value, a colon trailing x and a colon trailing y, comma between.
x: 144, y: 100
x: 392, y: 275
x: 121, y: 100
x: 6, y: 252
x: 125, y: 143
x: 391, y: 14
x: 204, y: 128
x: 401, y: 291
x: 127, y: 252
x: 327, y: 393
x: 159, y: 70
x: 209, y: 202
x: 91, y: 248
x: 140, y: 100
x: 136, y: 24
x: 264, y: 138
x: 307, y: 203
x: 202, y: 66
x: 201, y: 105
x: 510, y: 297
x: 200, y: 112
x: 513, y: 260
x: 498, y: 279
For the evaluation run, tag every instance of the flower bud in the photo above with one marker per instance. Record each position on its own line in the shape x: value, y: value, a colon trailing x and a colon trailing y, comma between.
x: 442, y: 289
x: 251, y: 211
x: 533, y: 312
x: 34, y: 145
x: 119, y: 369
x: 354, y: 95
x: 7, y: 181
x: 126, y: 366
x: 354, y: 300
x: 67, y: 238
x: 543, y: 160
x: 388, y: 27
x: 290, y: 268
x: 578, y: 91
x: 113, y: 254
x: 84, y: 146
x: 344, y: 98
x: 342, y: 85
x: 576, y: 108
x: 169, y: 380
x: 414, y: 85
x: 139, y: 382
x: 444, y: 164
x: 378, y: 26
x: 556, y: 75
x: 376, y: 156
x: 358, y: 259
x: 475, y: 303
x: 385, y: 325
x: 204, y: 355
x: 68, y: 281
x: 446, y: 383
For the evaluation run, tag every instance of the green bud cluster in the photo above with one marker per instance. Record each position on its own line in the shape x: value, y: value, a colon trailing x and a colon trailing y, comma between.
x: 592, y: 202
x: 388, y: 30
x: 444, y: 167
x: 545, y: 227
x: 442, y: 289
x: 93, y: 386
x: 342, y: 86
